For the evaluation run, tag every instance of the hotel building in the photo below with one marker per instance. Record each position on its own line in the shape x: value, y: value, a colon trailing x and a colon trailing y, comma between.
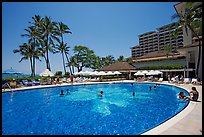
x: 157, y: 40
x: 150, y: 53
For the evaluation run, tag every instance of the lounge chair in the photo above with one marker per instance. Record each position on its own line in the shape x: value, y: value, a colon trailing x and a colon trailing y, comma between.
x: 187, y: 80
x: 195, y: 81
x: 35, y: 82
x: 160, y: 79
x: 27, y: 83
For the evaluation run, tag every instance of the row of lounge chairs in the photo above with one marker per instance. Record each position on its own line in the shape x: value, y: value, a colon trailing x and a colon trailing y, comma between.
x: 186, y: 81
x: 18, y: 83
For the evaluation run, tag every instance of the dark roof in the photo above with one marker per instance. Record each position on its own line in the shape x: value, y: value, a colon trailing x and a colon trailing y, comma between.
x: 159, y: 53
x: 118, y: 66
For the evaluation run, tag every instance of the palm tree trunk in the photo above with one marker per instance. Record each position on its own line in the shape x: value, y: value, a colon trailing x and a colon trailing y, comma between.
x: 34, y: 66
x: 31, y: 66
x: 70, y: 69
x: 47, y: 54
x: 199, y: 50
x: 63, y: 63
x: 199, y: 53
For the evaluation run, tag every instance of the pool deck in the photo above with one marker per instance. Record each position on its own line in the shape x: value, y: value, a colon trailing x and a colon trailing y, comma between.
x: 187, y: 122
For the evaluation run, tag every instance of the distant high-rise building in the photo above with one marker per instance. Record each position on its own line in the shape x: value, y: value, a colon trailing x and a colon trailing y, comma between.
x: 157, y: 40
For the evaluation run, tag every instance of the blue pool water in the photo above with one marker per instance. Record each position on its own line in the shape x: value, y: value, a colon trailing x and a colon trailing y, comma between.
x: 43, y: 111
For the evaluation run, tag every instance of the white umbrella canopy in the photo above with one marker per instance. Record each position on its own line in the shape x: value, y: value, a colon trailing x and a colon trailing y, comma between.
x: 101, y: 73
x: 158, y: 72
x: 110, y: 73
x: 139, y: 73
x: 46, y: 73
x: 94, y: 73
x: 117, y: 72
x: 151, y: 72
x: 144, y: 71
x: 85, y: 73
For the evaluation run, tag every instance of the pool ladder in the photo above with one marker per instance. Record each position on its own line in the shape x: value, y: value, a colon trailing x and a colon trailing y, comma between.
x: 6, y: 84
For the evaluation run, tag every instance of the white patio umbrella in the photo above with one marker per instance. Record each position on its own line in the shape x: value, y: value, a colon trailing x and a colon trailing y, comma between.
x: 158, y: 72
x: 151, y: 72
x: 85, y: 73
x: 139, y: 73
x: 117, y: 72
x: 46, y: 73
x: 101, y: 73
x: 144, y: 71
x: 110, y: 73
x: 94, y: 73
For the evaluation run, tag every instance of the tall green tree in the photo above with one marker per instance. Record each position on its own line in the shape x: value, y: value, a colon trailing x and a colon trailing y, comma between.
x: 83, y: 57
x: 62, y: 47
x: 27, y: 53
x: 33, y: 34
x: 109, y: 60
x: 121, y: 58
x: 192, y: 19
x: 49, y: 36
x: 168, y: 49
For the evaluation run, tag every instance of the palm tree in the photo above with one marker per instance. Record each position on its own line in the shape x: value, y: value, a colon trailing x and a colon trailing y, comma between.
x: 72, y: 63
x: 33, y: 34
x: 63, y: 48
x: 121, y: 58
x: 168, y: 49
x: 26, y: 51
x: 109, y: 60
x: 49, y: 34
x: 192, y: 19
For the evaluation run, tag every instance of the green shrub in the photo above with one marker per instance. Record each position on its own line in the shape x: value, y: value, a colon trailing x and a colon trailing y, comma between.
x: 67, y: 74
x: 58, y: 73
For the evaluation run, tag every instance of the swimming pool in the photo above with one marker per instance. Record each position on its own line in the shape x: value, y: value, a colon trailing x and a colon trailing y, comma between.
x: 43, y: 111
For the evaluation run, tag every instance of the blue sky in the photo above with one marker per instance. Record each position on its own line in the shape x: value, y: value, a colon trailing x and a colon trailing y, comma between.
x: 107, y: 28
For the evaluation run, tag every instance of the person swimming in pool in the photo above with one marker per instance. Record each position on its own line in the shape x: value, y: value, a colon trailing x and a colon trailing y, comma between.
x: 133, y: 94
x: 150, y: 88
x: 68, y: 92
x: 100, y: 94
x: 62, y: 93
x: 182, y: 96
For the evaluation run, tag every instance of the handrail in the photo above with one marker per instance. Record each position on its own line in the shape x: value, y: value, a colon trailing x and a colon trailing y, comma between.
x: 6, y: 84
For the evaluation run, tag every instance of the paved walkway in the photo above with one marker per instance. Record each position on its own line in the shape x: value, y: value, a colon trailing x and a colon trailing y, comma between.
x: 187, y: 122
